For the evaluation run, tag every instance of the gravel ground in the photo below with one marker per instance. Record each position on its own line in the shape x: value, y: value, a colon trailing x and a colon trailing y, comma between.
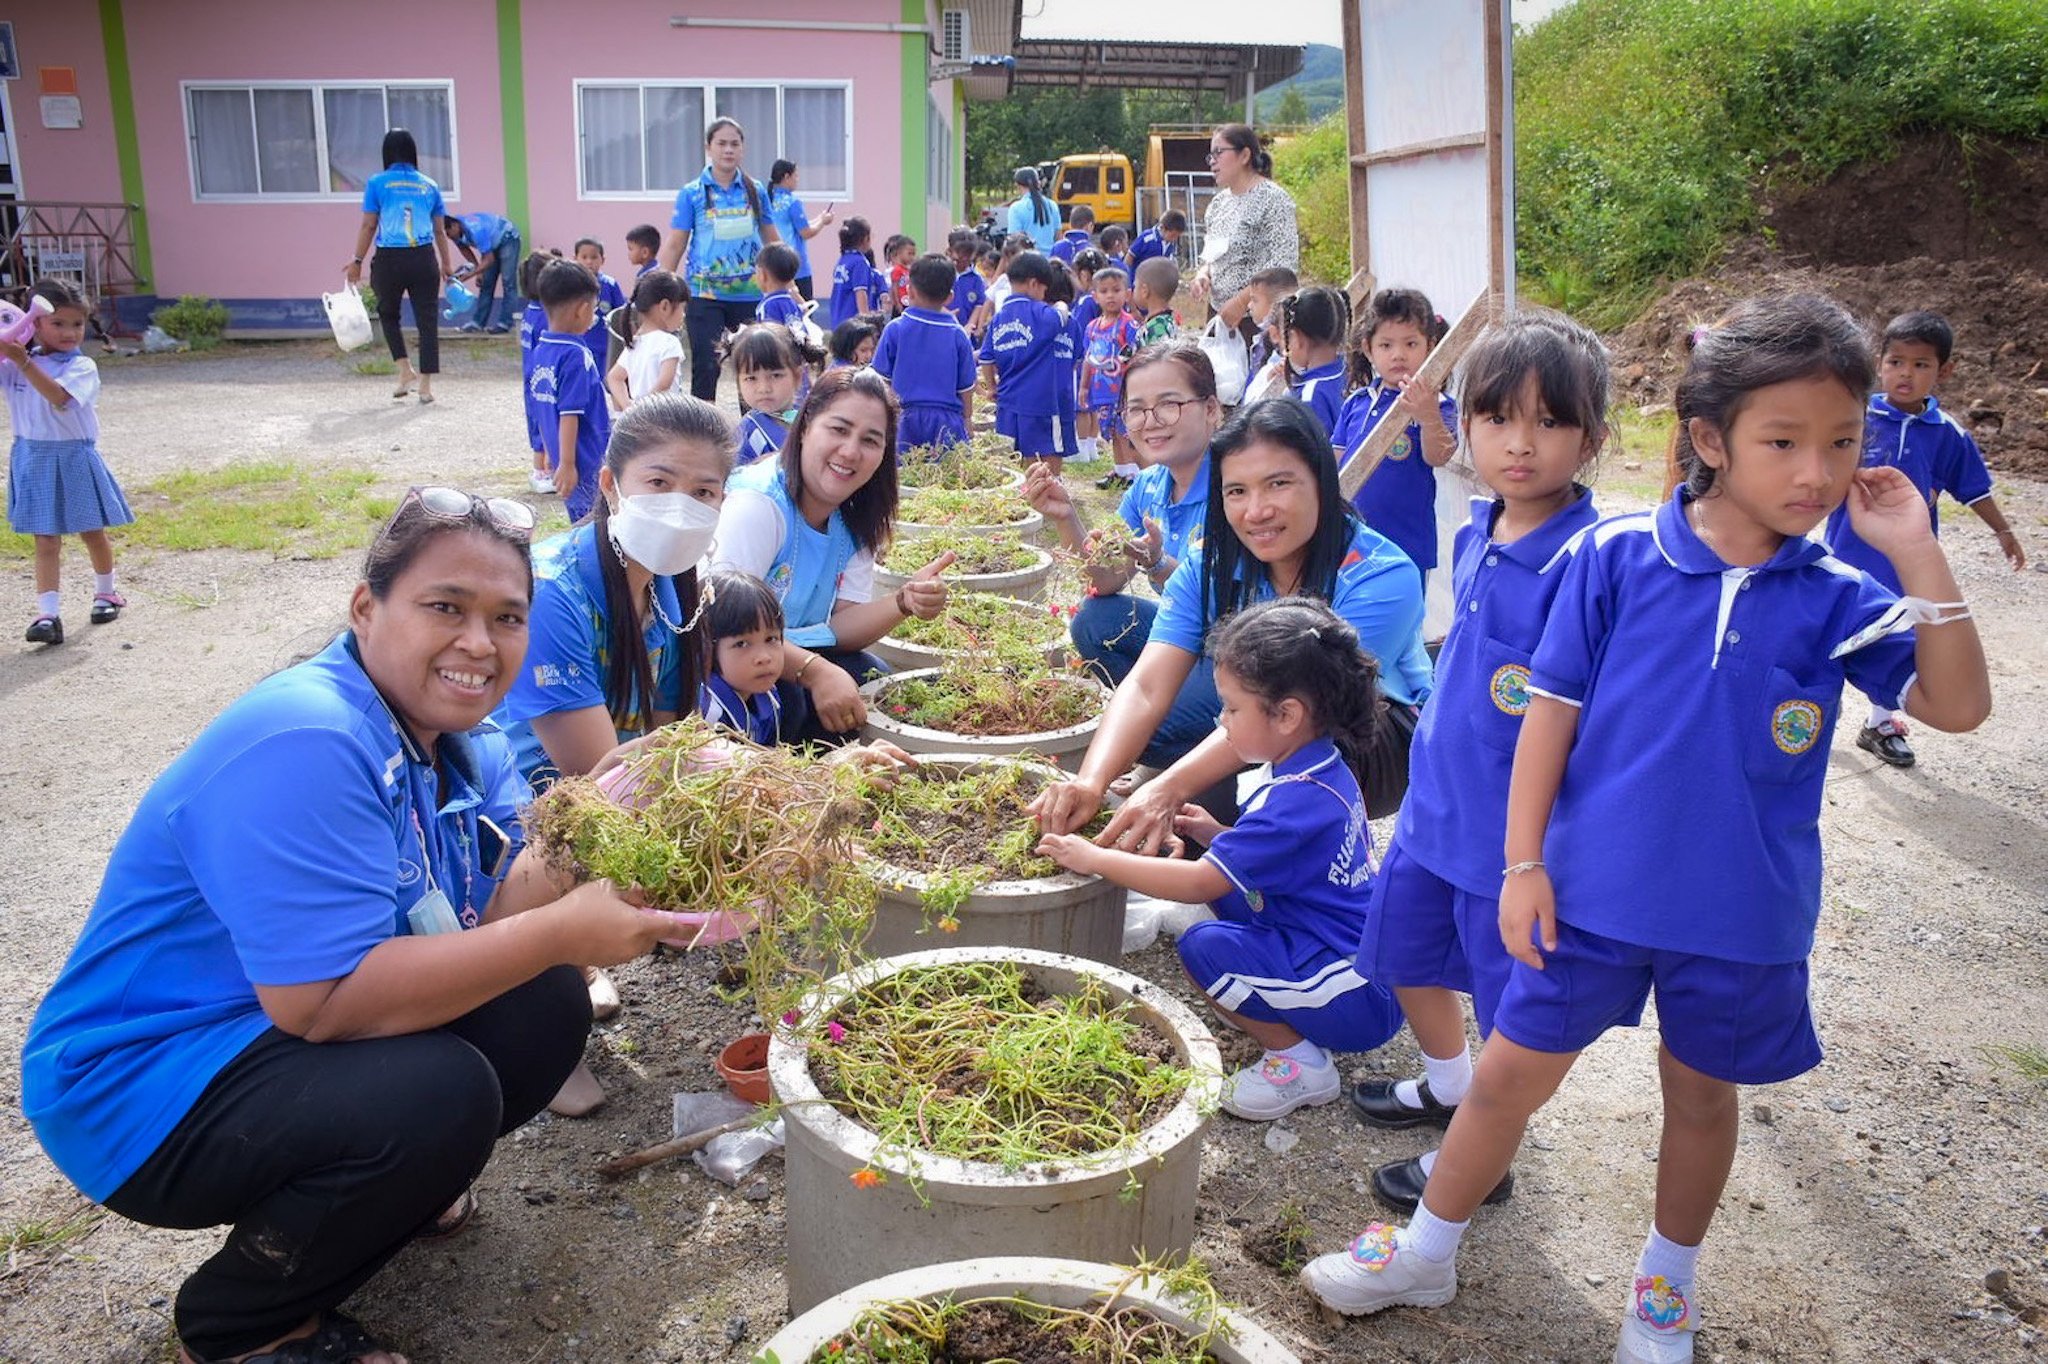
x: 1869, y: 1203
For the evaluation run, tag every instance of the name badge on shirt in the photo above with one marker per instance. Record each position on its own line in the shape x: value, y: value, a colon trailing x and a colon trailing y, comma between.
x: 432, y: 914
x: 731, y: 225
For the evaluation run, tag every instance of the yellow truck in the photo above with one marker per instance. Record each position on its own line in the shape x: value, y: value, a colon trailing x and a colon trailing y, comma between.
x: 1103, y: 180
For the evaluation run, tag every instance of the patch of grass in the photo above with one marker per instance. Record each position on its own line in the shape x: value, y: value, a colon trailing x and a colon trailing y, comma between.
x: 1637, y: 440
x: 2030, y: 1063
x: 270, y: 506
x: 35, y: 1241
x: 375, y: 364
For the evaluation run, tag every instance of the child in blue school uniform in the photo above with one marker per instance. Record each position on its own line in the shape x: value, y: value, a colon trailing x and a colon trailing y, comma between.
x: 857, y: 287
x: 57, y: 484
x: 1640, y: 855
x: 1289, y: 880
x: 744, y: 622
x: 590, y: 255
x: 852, y: 343
x: 1313, y: 325
x: 1388, y: 345
x: 566, y: 387
x: 769, y: 363
x: 1079, y: 236
x: 1019, y: 363
x: 775, y: 271
x: 1907, y: 428
x: 1162, y: 239
x: 1534, y: 395
x: 532, y: 322
x: 1074, y: 290
x: 927, y: 358
x: 969, y: 298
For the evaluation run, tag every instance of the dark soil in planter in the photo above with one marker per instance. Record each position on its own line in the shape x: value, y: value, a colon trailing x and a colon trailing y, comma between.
x: 978, y: 821
x: 987, y: 1332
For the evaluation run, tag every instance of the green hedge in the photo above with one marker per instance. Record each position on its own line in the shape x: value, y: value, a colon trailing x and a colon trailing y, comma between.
x: 1644, y: 127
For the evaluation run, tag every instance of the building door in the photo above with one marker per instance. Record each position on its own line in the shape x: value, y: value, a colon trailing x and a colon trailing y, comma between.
x: 10, y: 193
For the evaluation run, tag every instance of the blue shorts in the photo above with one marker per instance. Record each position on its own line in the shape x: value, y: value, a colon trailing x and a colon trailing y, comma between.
x: 1422, y: 930
x: 1037, y: 436
x: 1276, y: 976
x: 1732, y: 1020
x: 933, y: 424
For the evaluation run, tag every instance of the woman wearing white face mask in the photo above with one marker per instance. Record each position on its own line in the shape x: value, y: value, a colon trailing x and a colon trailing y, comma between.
x: 611, y: 653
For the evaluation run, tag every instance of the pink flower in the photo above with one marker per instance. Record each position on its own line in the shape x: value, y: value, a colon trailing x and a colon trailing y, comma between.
x: 836, y: 1031
x: 792, y: 1018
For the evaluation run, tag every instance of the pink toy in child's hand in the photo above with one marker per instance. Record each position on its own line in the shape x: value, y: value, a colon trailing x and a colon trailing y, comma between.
x: 18, y: 326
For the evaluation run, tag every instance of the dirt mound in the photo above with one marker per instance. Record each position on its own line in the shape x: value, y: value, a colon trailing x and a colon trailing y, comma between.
x: 1878, y: 240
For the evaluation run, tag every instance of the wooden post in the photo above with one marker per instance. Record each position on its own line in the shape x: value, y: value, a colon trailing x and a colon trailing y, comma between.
x: 1501, y: 190
x: 1363, y: 458
x: 1354, y: 131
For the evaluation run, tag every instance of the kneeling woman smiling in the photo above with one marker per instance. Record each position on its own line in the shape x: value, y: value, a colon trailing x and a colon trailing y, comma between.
x: 322, y: 977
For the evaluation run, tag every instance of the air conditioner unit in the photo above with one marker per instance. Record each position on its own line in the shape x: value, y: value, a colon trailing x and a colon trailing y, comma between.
x: 954, y: 42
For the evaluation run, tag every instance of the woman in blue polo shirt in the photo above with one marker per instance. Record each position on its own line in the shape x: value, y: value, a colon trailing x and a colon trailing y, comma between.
x: 714, y: 241
x: 1169, y: 399
x: 792, y: 224
x: 809, y: 523
x: 321, y: 978
x: 403, y: 217
x: 1034, y: 215
x: 1277, y: 525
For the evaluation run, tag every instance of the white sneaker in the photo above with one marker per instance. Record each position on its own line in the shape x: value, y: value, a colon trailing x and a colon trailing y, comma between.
x: 1660, y: 1323
x: 1378, y: 1271
x: 1277, y: 1086
x: 540, y: 483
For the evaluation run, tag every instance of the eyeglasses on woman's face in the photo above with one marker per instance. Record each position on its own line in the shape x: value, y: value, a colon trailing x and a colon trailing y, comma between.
x: 1165, y: 412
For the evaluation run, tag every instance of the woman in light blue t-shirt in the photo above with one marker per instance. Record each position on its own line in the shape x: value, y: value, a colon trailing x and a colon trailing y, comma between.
x: 404, y: 217
x: 1034, y: 215
x: 794, y: 226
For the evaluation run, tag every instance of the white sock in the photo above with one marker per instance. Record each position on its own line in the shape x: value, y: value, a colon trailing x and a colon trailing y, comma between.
x: 1880, y: 716
x: 1127, y: 470
x: 103, y: 583
x: 1433, y: 1238
x: 47, y: 603
x: 1675, y: 1263
x: 1449, y: 1079
x: 1311, y: 1056
x: 1427, y: 1162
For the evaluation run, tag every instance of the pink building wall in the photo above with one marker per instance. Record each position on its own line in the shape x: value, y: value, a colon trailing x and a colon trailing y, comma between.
x: 296, y: 250
x: 70, y: 165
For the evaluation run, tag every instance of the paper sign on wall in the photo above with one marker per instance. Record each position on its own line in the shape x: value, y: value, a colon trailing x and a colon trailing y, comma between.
x: 63, y: 111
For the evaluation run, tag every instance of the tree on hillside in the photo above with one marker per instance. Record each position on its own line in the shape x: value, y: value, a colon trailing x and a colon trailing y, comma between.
x: 1292, y: 110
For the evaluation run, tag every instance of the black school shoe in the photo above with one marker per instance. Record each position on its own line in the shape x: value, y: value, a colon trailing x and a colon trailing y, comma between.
x: 1376, y: 1106
x: 1889, y: 746
x: 1398, y: 1184
x: 45, y: 630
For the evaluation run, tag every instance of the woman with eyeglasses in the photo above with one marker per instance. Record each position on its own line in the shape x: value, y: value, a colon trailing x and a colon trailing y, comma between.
x: 1250, y: 225
x: 322, y: 976
x: 1170, y: 408
x: 1277, y: 526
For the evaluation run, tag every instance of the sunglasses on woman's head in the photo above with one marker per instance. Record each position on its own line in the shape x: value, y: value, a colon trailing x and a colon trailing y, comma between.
x: 453, y: 504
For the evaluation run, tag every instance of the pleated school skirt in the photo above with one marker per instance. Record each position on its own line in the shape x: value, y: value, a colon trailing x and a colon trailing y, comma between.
x: 62, y: 487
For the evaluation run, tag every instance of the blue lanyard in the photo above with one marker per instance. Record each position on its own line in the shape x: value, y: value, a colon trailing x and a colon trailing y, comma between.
x: 468, y: 914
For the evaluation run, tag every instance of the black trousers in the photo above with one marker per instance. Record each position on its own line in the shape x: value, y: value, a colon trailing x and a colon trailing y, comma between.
x: 327, y: 1158
x: 416, y: 271
x: 804, y: 286
x: 707, y: 319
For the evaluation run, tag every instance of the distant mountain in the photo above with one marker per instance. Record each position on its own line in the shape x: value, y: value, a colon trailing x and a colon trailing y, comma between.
x: 1320, y: 81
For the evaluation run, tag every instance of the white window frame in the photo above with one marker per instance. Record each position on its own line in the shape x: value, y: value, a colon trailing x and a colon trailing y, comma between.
x: 755, y: 166
x: 937, y: 128
x: 318, y: 88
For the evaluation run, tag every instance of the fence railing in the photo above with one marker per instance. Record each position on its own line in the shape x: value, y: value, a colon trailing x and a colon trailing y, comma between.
x: 89, y: 246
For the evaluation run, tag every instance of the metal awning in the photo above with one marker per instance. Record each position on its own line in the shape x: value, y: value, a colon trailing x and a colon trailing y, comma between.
x: 1083, y: 64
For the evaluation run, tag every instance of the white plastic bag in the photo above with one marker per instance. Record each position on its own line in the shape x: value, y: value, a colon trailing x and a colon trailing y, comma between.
x: 1228, y: 357
x: 349, y: 318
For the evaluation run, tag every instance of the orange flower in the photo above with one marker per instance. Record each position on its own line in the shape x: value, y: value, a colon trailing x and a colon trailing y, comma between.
x: 949, y: 924
x: 867, y: 1179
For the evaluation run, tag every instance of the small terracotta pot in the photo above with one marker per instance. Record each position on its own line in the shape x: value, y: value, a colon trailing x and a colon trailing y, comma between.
x: 743, y: 1065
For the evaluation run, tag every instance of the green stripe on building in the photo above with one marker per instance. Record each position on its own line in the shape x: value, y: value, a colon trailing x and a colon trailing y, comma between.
x: 127, y: 145
x: 512, y: 110
x: 915, y: 54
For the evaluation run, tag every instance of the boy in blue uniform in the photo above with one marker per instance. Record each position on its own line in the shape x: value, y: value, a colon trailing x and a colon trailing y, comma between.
x: 533, y: 320
x: 926, y: 355
x: 1639, y: 857
x: 598, y: 336
x: 1399, y: 500
x: 970, y: 291
x: 1019, y: 365
x: 1907, y: 429
x: 1161, y: 239
x: 775, y: 271
x: 643, y: 248
x: 566, y: 388
x: 1080, y: 234
x: 1288, y: 879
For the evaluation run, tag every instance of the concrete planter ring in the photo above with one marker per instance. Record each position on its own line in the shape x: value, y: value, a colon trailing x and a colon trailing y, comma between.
x: 932, y: 1209
x: 1052, y: 1282
x: 1023, y: 584
x: 1065, y: 746
x: 1027, y: 525
x: 1081, y: 916
x: 903, y: 655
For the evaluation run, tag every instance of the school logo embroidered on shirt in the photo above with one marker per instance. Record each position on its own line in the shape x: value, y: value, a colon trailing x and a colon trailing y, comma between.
x: 1795, y: 726
x: 1401, y: 447
x: 1510, y: 689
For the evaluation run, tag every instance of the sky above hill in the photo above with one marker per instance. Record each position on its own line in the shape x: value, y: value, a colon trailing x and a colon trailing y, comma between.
x: 1208, y: 21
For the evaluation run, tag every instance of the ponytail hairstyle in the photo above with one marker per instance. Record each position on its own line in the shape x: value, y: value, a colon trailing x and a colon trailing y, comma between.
x: 656, y: 286
x: 1757, y: 343
x: 746, y: 181
x: 1061, y: 286
x: 1298, y: 647
x: 1388, y: 306
x: 1041, y: 208
x: 738, y: 603
x: 1230, y: 572
x: 655, y: 421
x: 1318, y: 313
x: 780, y: 171
x: 770, y: 345
x: 1242, y: 139
x: 870, y: 513
x: 856, y: 235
